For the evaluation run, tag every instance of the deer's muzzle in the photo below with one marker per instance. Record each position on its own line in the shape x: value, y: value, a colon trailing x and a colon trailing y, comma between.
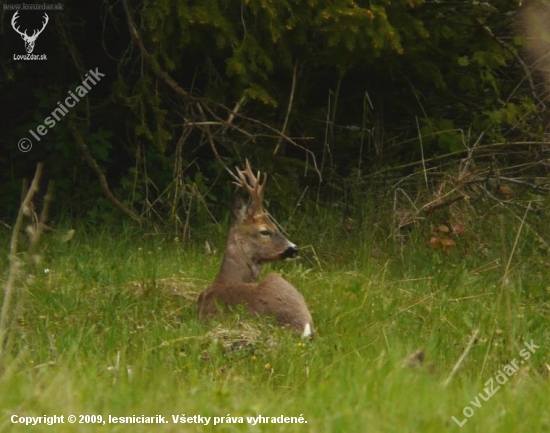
x: 290, y: 252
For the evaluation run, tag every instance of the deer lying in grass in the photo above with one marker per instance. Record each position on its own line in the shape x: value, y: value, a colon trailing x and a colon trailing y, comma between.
x: 254, y: 240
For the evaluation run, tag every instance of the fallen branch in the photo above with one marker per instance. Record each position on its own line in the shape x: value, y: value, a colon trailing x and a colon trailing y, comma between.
x: 473, y: 339
x: 441, y: 204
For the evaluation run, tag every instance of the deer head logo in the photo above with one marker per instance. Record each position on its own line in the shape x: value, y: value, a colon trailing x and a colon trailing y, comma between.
x: 29, y: 40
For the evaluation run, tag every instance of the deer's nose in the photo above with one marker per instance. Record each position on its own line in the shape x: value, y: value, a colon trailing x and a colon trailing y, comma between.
x: 290, y: 252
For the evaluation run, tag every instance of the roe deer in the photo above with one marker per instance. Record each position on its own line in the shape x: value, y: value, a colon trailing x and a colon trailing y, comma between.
x: 254, y: 240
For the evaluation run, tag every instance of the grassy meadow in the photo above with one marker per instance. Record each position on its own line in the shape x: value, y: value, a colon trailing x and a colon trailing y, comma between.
x: 105, y: 325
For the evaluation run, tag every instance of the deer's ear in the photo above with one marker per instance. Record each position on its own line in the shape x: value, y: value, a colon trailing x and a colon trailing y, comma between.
x: 240, y: 211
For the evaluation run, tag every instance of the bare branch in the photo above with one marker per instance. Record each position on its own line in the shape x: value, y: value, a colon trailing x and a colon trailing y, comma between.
x: 204, y: 104
x: 100, y: 175
x: 508, y: 48
x: 15, y: 264
x: 289, y: 108
x: 213, y: 145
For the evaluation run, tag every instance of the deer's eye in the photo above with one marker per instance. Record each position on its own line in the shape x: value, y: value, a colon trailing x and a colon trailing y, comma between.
x: 265, y: 233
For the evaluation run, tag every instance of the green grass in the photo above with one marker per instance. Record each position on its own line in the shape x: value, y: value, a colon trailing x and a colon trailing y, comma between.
x: 108, y: 327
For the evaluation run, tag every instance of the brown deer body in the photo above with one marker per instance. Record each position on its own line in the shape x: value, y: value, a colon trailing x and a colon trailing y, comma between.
x: 254, y: 240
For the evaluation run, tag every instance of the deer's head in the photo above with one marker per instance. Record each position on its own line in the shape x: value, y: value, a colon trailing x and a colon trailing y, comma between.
x: 253, y: 232
x: 29, y: 40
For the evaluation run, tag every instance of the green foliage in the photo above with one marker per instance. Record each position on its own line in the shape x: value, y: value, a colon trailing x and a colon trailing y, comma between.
x: 468, y: 71
x: 261, y: 38
x: 362, y: 72
x: 443, y: 133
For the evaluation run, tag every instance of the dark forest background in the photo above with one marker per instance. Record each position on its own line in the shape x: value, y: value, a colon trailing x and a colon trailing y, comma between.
x: 333, y: 99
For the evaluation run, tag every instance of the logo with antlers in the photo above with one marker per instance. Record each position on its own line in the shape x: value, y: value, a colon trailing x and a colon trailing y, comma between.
x: 29, y: 40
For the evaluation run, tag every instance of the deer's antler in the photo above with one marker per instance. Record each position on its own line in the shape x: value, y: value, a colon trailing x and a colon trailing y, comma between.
x: 47, y: 19
x: 35, y: 33
x: 254, y: 186
x: 15, y: 16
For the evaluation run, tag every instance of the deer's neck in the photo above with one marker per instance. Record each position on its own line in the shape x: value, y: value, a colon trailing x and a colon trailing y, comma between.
x: 236, y: 266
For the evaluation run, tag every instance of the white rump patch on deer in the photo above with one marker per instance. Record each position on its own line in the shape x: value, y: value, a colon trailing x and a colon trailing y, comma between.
x: 307, y: 331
